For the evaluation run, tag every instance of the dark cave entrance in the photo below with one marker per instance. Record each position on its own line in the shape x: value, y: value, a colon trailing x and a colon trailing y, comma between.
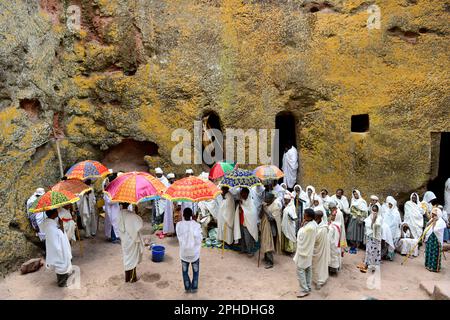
x: 285, y: 122
x: 440, y: 163
x: 129, y: 155
x: 211, y: 120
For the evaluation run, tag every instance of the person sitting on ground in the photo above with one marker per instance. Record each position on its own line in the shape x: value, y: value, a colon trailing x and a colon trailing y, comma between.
x: 189, y: 235
x: 407, y: 242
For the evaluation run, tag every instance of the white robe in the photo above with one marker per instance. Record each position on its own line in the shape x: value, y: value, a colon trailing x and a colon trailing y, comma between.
x: 306, y: 238
x: 342, y: 203
x: 168, y: 226
x: 69, y: 224
x: 437, y: 229
x: 189, y: 236
x: 161, y: 204
x: 132, y: 246
x: 406, y: 244
x: 392, y: 218
x: 227, y: 219
x: 334, y: 237
x: 310, y: 199
x: 447, y: 196
x: 321, y: 255
x: 250, y: 216
x: 112, y: 213
x: 86, y: 206
x: 414, y: 217
x: 58, y: 252
x: 290, y: 166
x: 288, y: 223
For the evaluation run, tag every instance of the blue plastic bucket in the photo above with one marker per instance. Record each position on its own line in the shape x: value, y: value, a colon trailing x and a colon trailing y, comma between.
x: 158, y: 253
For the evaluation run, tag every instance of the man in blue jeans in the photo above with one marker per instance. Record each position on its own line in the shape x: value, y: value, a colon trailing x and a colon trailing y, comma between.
x: 189, y: 233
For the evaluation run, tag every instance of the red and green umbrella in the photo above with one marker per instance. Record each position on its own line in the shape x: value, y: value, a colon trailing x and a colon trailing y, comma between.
x: 220, y: 168
x: 191, y: 189
x: 87, y: 169
x: 53, y: 200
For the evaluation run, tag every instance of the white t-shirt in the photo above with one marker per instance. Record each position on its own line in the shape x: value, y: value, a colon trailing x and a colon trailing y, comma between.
x: 190, y: 237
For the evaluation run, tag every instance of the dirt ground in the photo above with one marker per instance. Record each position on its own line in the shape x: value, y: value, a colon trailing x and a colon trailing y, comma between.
x: 227, y: 276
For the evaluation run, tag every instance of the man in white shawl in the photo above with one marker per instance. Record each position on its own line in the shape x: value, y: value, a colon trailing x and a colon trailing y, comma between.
x: 248, y: 221
x: 414, y: 215
x: 87, y: 207
x: 58, y: 252
x: 321, y: 253
x: 69, y: 226
x: 434, y: 240
x: 391, y: 217
x: 112, y: 213
x: 36, y: 219
x: 228, y: 229
x: 190, y: 238
x: 130, y: 225
x: 342, y: 203
x: 290, y: 166
x: 306, y: 238
x: 159, y: 206
x: 208, y: 213
x: 407, y: 242
x: 339, y: 220
x: 289, y: 224
x: 334, y: 237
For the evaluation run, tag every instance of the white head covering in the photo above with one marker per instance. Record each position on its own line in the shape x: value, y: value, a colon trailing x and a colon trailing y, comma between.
x: 170, y: 176
x: 359, y: 203
x: 39, y: 191
x: 372, y: 197
x: 288, y: 195
x: 283, y: 185
x: 203, y: 175
x: 110, y: 170
x: 429, y: 196
x: 417, y: 196
x: 392, y: 201
x: 189, y: 171
x: 158, y: 170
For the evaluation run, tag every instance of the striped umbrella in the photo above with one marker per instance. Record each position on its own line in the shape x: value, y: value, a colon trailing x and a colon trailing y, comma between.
x: 53, y: 200
x: 240, y: 178
x: 87, y: 169
x: 191, y: 189
x: 75, y: 186
x: 220, y: 168
x: 268, y: 172
x: 135, y: 187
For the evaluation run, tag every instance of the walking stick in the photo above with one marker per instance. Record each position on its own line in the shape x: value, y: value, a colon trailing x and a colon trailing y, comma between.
x: 259, y: 254
x: 418, y: 241
x: 224, y: 237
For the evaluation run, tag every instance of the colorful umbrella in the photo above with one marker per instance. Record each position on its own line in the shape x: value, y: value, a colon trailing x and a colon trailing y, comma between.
x: 135, y: 187
x: 87, y: 169
x: 191, y: 189
x: 75, y: 186
x: 52, y: 200
x: 268, y: 172
x: 220, y: 168
x: 240, y: 178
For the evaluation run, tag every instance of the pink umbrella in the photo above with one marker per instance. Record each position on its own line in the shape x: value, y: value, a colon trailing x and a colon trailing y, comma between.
x: 135, y: 187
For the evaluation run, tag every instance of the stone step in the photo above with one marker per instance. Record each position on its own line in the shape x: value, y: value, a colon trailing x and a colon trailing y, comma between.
x: 437, y: 290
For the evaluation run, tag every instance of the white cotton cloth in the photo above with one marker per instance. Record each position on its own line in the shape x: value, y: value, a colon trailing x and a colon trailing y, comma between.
x: 250, y: 216
x: 168, y: 226
x: 228, y: 229
x: 373, y: 230
x: 321, y: 254
x: 288, y: 224
x: 438, y: 228
x: 334, y: 237
x: 406, y: 243
x: 320, y: 207
x: 359, y: 203
x: 112, y: 213
x: 290, y: 166
x: 40, y: 218
x: 306, y: 238
x: 447, y: 196
x: 189, y: 234
x: 58, y: 252
x: 310, y: 199
x: 414, y: 216
x: 132, y: 246
x: 342, y: 203
x: 68, y: 223
x: 392, y: 218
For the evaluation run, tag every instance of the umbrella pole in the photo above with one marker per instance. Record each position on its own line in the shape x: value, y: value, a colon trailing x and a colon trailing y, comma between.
x: 224, y: 237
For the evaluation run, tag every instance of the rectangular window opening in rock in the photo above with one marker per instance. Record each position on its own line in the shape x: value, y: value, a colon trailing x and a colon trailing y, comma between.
x: 360, y: 123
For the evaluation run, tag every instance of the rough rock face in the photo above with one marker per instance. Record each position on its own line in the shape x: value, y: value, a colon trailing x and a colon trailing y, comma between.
x: 139, y: 69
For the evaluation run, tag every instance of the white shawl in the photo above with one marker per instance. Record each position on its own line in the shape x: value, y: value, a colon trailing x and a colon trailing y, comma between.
x: 132, y: 247
x: 290, y: 166
x: 58, y: 252
x: 414, y: 216
x: 288, y: 224
x: 250, y: 216
x: 438, y: 228
x: 392, y: 218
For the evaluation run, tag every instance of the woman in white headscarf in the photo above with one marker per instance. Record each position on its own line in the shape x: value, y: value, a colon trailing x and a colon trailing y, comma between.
x: 355, y: 230
x: 392, y: 219
x: 373, y: 234
x: 318, y: 206
x: 428, y: 202
x: 414, y: 215
x: 434, y: 240
x: 310, y: 193
x: 300, y: 200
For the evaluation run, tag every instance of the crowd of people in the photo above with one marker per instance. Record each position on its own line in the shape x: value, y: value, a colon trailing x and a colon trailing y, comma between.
x: 316, y: 229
